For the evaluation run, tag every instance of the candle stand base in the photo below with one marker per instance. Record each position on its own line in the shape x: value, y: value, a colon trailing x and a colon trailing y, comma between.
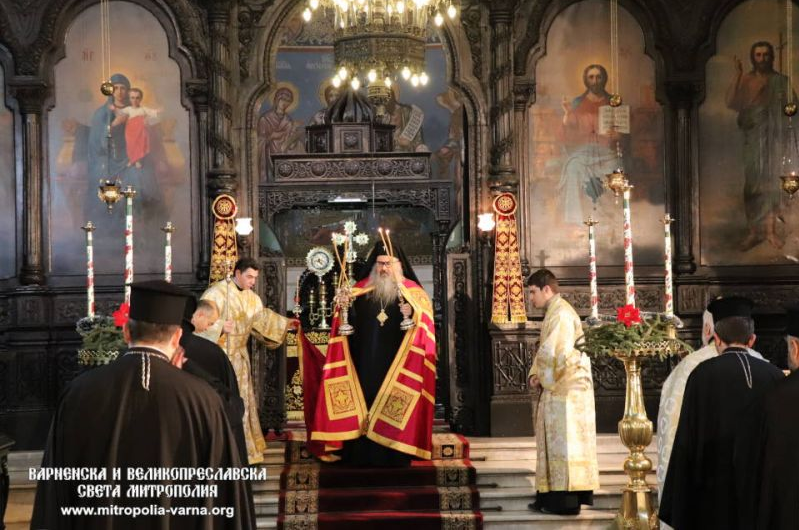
x: 636, y: 512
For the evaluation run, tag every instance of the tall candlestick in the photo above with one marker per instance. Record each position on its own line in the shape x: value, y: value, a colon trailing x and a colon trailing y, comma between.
x: 168, y: 229
x: 592, y: 267
x: 89, y: 228
x: 629, y: 280
x: 129, y: 193
x: 667, y: 258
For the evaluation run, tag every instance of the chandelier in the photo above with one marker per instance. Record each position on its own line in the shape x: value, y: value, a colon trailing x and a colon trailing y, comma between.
x: 379, y: 41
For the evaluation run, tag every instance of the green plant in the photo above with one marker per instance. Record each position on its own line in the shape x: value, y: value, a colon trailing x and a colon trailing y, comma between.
x: 651, y: 335
x: 100, y: 334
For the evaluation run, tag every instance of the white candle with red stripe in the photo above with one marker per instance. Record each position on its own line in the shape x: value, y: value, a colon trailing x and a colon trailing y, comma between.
x: 129, y: 193
x: 89, y: 228
x: 669, y: 288
x: 592, y: 267
x: 629, y: 278
x: 168, y: 229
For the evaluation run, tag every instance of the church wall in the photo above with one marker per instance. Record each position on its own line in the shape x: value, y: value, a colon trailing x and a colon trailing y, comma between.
x: 215, y: 67
x: 160, y: 172
x: 726, y: 150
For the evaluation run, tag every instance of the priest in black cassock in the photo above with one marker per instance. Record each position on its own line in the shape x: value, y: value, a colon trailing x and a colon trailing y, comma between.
x: 703, y: 488
x: 777, y: 495
x: 140, y: 411
x: 207, y: 360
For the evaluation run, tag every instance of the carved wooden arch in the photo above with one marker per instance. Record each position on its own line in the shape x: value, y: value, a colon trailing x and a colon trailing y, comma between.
x: 7, y: 69
x: 260, y: 52
x: 706, y: 43
x: 181, y: 21
x: 536, y: 21
x: 9, y: 44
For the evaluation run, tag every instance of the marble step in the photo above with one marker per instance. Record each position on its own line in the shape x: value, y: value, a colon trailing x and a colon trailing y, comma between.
x: 517, y: 499
x: 484, y: 449
x: 519, y: 520
x: 527, y: 520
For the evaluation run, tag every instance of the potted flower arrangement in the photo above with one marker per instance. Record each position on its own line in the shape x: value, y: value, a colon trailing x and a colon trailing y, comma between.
x: 102, y: 337
x: 633, y: 333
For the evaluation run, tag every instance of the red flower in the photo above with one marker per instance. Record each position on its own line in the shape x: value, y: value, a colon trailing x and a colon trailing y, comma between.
x: 629, y: 315
x: 121, y: 315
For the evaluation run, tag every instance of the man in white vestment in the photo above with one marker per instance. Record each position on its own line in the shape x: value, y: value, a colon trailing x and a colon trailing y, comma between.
x: 672, y: 393
x: 243, y: 314
x: 567, y: 472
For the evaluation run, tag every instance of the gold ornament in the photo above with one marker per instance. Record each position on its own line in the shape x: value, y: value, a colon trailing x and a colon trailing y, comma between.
x: 615, y: 100
x: 109, y: 192
x: 790, y: 109
x: 107, y: 88
x: 616, y: 181
x: 790, y: 184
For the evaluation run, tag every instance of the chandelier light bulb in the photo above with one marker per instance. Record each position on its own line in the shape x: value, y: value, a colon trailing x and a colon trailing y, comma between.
x: 336, y: 81
x: 406, y: 73
x: 372, y: 75
x: 451, y: 11
x: 423, y: 78
x: 306, y: 15
x: 344, y: 6
x: 355, y: 83
x: 314, y: 4
x: 342, y: 73
x: 415, y: 80
x: 388, y: 82
x: 438, y: 19
x: 400, y: 7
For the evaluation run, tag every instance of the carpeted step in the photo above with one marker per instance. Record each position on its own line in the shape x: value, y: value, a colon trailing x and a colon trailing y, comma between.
x: 440, y: 473
x: 417, y: 498
x: 385, y: 520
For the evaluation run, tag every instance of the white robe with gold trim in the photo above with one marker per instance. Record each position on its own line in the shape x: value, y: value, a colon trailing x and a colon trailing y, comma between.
x: 565, y: 426
x: 249, y: 317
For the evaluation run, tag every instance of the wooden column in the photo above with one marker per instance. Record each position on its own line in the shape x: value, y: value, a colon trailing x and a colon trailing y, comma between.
x: 222, y: 175
x: 197, y: 91
x: 30, y: 94
x: 683, y: 190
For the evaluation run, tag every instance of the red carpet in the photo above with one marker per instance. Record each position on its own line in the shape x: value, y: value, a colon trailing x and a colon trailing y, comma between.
x: 429, y: 495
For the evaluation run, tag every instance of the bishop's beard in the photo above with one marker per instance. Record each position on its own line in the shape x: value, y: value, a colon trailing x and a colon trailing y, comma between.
x: 385, y: 288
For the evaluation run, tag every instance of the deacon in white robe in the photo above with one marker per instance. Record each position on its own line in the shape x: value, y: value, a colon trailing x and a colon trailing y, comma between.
x: 242, y: 313
x: 671, y: 396
x: 567, y: 472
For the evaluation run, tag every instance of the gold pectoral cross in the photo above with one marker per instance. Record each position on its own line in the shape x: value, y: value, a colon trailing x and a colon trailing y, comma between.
x: 382, y: 317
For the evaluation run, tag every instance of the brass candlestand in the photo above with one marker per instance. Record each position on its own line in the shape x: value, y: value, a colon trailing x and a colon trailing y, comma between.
x: 635, y: 430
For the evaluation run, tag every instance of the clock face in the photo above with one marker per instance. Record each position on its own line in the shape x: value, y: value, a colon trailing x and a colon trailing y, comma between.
x: 319, y: 260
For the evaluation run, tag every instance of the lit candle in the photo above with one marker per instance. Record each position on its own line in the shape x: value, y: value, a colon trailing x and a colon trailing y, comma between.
x: 629, y: 281
x: 592, y: 267
x: 168, y: 229
x: 89, y: 228
x: 129, y: 193
x: 667, y: 258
